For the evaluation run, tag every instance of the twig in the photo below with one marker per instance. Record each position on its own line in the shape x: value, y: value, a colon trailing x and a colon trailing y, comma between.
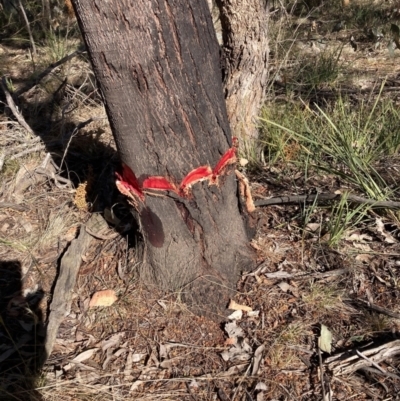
x: 379, y: 309
x: 74, y: 132
x: 319, y: 198
x: 241, y: 381
x: 36, y: 148
x: 13, y: 108
x: 57, y: 178
x: 28, y: 27
x: 47, y: 71
x: 279, y: 275
x: 299, y: 276
x: 2, y: 159
x: 380, y: 372
x: 7, y: 205
x: 321, y: 368
x: 369, y: 360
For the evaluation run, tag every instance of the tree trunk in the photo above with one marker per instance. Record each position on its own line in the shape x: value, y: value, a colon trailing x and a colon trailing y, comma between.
x: 245, y: 62
x: 157, y: 63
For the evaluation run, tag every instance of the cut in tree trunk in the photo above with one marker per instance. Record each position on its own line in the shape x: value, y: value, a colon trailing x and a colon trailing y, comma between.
x: 245, y: 62
x: 157, y: 63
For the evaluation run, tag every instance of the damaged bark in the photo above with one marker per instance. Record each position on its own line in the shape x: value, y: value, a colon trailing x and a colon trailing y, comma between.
x: 157, y: 63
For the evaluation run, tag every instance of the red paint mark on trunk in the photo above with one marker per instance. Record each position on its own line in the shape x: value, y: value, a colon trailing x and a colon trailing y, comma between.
x: 128, y: 181
x: 229, y: 157
x: 158, y: 183
x: 198, y: 174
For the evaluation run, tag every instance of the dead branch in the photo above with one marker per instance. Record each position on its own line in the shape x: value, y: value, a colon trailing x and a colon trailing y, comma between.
x: 379, y: 309
x: 62, y: 296
x: 346, y: 363
x: 281, y: 275
x: 8, y: 205
x: 326, y: 197
x: 36, y: 148
x: 13, y: 108
x: 28, y: 28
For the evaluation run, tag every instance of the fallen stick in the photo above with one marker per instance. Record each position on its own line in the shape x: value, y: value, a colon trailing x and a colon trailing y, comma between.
x: 325, y: 197
x: 346, y: 363
x: 8, y: 205
x: 379, y: 309
x: 13, y: 108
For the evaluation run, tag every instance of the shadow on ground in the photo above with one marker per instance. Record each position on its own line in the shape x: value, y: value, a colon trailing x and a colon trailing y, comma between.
x: 22, y: 336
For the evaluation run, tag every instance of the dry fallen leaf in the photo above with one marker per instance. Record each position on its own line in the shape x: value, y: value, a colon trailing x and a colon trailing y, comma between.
x: 235, y: 306
x: 313, y: 226
x: 237, y: 315
x: 234, y: 370
x: 257, y: 358
x: 285, y: 287
x: 380, y: 227
x: 84, y: 356
x: 103, y: 298
x: 325, y: 339
x: 243, y: 162
x: 364, y: 257
x: 113, y: 341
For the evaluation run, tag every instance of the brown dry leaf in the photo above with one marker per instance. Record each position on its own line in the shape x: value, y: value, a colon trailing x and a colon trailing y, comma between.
x: 380, y: 227
x: 112, y: 342
x: 234, y: 370
x: 257, y: 359
x: 358, y: 237
x: 313, y: 226
x: 135, y: 386
x: 103, y: 298
x: 364, y: 257
x: 85, y: 355
x: 235, y: 306
x: 128, y: 365
x: 285, y: 287
x: 137, y: 357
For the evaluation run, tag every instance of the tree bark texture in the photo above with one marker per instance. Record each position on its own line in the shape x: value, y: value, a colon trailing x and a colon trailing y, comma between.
x: 245, y: 62
x: 157, y: 63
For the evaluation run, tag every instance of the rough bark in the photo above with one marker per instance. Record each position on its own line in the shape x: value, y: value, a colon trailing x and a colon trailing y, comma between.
x: 245, y: 62
x: 157, y: 63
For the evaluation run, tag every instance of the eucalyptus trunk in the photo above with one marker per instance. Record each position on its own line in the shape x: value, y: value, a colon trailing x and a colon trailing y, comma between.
x: 157, y: 64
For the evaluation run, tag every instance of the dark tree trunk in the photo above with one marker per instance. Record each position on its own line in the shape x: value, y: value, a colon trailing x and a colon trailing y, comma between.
x: 245, y: 48
x: 157, y: 63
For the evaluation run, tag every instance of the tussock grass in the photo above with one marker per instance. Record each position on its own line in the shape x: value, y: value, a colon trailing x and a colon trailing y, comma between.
x: 280, y: 354
x: 342, y: 140
x: 321, y: 298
